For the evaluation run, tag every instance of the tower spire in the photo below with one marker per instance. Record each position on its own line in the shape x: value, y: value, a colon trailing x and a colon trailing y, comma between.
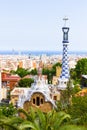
x: 64, y: 77
x: 65, y: 20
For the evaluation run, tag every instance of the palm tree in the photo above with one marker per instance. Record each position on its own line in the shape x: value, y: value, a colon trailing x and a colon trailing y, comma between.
x: 44, y: 121
x: 48, y: 121
x: 6, y: 123
x: 38, y: 121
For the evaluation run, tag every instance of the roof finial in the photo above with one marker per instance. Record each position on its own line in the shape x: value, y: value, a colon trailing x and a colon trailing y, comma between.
x: 65, y: 19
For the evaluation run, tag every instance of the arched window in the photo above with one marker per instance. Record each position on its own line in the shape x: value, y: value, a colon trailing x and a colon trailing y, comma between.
x: 41, y: 101
x: 37, y: 101
x: 33, y: 100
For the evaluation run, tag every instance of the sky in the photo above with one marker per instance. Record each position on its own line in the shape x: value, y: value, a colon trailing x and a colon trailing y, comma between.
x: 37, y: 24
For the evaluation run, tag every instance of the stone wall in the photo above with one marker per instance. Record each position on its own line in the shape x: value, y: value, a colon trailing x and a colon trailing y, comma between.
x: 38, y: 101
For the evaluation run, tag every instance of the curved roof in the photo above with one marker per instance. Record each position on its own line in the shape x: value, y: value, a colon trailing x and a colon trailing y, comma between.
x: 40, y: 85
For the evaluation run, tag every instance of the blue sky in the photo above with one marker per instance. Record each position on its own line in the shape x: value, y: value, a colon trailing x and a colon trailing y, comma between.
x: 36, y: 24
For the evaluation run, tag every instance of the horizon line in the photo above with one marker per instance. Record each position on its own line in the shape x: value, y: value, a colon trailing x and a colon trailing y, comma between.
x: 25, y: 50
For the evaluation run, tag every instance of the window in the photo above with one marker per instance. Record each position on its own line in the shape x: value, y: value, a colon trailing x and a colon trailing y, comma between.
x: 37, y: 101
x: 55, y: 97
x: 41, y: 101
x: 33, y: 100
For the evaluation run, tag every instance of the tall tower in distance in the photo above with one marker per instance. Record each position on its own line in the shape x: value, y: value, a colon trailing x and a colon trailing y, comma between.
x: 64, y: 77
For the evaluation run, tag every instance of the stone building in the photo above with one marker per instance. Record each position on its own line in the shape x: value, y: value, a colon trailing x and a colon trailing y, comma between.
x: 40, y: 95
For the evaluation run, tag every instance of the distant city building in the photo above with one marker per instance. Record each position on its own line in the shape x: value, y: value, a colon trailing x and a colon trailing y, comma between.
x: 55, y: 80
x: 58, y: 71
x: 9, y: 81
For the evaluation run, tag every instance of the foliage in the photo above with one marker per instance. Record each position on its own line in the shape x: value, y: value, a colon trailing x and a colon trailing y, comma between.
x: 10, y: 123
x: 8, y: 111
x: 37, y: 120
x: 65, y: 99
x: 12, y: 72
x: 78, y: 109
x: 54, y: 68
x: 56, y: 64
x: 22, y: 72
x: 76, y: 88
x: 46, y: 71
x: 73, y: 75
x: 28, y: 116
x: 72, y: 127
x: 45, y: 121
x: 48, y: 121
x: 26, y: 82
x: 81, y: 67
x: 50, y: 72
x: 33, y: 72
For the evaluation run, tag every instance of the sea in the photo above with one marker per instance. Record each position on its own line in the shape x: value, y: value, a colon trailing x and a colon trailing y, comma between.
x: 49, y: 53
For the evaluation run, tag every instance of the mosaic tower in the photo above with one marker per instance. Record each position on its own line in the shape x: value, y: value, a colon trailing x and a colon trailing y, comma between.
x: 64, y: 77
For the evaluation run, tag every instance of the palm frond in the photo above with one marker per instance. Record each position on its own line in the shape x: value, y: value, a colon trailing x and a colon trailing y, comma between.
x: 72, y: 127
x: 41, y: 120
x: 28, y: 124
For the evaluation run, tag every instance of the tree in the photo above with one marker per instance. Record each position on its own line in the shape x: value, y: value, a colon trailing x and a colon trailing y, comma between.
x: 33, y: 72
x: 26, y: 82
x: 81, y: 67
x: 45, y: 121
x: 17, y: 123
x: 46, y: 71
x: 76, y: 89
x: 13, y: 72
x: 37, y: 120
x: 56, y: 64
x: 48, y: 121
x: 53, y: 70
x: 50, y: 72
x: 10, y: 123
x: 78, y: 109
x: 22, y: 72
x: 8, y: 111
x: 65, y: 98
x: 72, y: 74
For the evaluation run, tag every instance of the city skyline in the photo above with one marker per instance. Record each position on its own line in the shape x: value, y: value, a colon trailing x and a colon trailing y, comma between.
x: 37, y: 25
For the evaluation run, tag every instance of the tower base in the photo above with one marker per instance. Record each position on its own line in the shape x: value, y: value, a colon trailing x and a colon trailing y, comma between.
x: 62, y: 83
